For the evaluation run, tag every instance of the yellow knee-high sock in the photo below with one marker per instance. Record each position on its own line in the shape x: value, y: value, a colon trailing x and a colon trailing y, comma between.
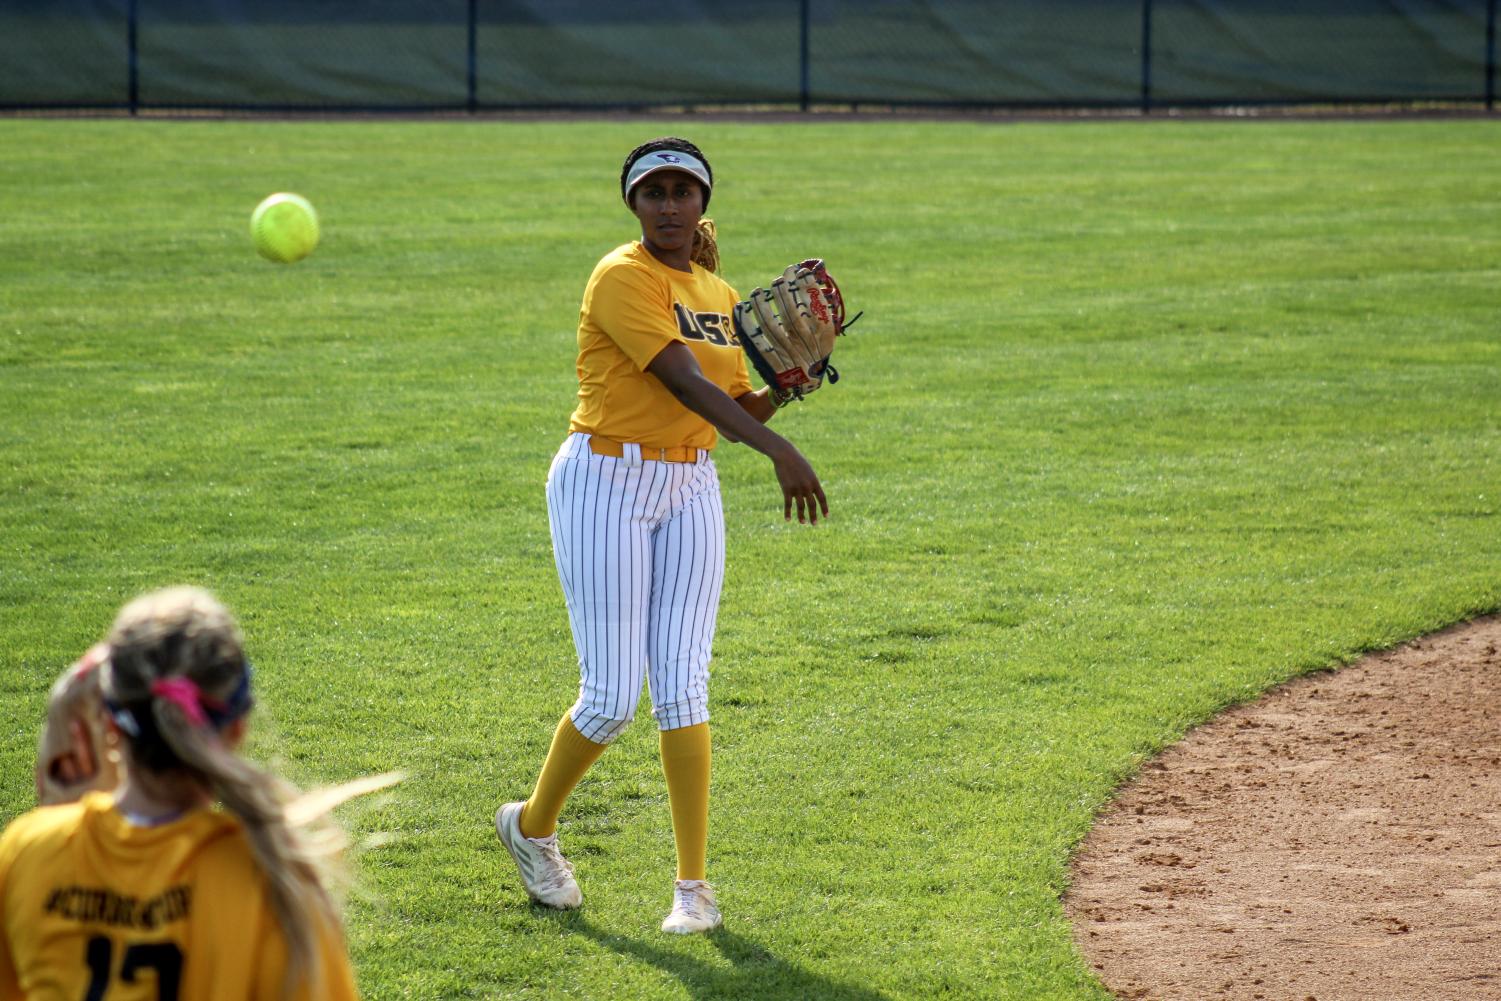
x: 568, y: 759
x: 685, y: 762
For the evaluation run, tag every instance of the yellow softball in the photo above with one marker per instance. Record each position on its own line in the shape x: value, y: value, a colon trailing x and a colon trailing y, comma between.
x: 284, y: 228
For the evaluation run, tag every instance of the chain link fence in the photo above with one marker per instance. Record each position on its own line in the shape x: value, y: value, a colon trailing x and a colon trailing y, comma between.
x: 499, y: 55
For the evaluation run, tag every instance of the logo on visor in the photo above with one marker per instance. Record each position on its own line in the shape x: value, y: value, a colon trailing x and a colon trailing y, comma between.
x: 669, y: 158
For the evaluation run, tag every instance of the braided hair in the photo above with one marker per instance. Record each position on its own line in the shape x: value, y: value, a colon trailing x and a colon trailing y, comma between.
x: 705, y: 244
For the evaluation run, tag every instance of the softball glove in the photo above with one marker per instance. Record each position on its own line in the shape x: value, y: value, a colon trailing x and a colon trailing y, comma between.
x: 788, y: 330
x: 71, y: 758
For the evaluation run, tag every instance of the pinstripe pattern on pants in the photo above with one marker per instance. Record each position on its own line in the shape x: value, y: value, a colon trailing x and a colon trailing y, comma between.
x: 639, y: 547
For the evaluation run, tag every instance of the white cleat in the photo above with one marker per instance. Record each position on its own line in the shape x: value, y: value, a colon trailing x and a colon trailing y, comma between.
x: 693, y: 909
x: 547, y: 875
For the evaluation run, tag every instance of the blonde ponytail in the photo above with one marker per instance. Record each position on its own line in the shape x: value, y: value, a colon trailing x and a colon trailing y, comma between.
x: 176, y: 655
x: 706, y: 246
x: 296, y: 864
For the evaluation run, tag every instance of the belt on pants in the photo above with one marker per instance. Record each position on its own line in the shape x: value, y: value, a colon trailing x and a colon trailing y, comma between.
x: 615, y: 449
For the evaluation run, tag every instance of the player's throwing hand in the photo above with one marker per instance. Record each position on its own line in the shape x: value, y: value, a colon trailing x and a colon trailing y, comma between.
x: 800, y: 487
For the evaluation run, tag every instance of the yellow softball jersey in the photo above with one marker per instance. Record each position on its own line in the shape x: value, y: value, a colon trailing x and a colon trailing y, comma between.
x: 634, y: 306
x: 93, y: 907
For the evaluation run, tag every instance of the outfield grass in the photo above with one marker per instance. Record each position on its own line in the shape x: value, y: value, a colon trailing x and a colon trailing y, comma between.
x: 1142, y: 419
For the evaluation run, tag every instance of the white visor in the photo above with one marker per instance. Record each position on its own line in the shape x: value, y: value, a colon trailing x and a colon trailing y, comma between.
x: 667, y: 159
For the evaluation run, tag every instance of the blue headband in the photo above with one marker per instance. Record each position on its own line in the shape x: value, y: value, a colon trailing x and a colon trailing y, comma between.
x: 220, y: 714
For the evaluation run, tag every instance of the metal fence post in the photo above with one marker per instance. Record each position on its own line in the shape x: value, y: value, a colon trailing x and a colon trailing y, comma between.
x: 133, y: 17
x: 1146, y: 57
x: 473, y: 102
x: 1490, y: 56
x: 803, y: 23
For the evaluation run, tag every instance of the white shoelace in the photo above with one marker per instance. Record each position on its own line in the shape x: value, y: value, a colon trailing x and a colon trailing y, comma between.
x: 559, y: 869
x: 693, y: 899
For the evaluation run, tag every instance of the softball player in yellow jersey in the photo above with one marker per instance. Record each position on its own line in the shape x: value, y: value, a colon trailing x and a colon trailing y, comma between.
x: 146, y: 892
x: 634, y: 510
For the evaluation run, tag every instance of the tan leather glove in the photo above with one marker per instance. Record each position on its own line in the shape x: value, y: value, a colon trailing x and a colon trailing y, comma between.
x: 788, y: 330
x: 71, y: 759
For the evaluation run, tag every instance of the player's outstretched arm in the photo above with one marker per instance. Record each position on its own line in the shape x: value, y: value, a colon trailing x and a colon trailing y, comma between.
x: 678, y: 370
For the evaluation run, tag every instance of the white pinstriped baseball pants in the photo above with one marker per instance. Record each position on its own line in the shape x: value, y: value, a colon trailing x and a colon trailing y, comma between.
x: 639, y: 547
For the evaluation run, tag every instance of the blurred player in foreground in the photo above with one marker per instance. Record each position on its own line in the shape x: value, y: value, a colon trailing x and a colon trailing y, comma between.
x: 140, y: 888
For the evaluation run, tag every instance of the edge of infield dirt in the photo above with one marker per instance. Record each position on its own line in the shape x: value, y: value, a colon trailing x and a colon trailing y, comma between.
x: 1339, y: 838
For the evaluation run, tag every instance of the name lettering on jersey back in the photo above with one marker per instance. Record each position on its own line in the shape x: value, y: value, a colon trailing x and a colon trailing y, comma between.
x: 712, y: 327
x: 81, y: 903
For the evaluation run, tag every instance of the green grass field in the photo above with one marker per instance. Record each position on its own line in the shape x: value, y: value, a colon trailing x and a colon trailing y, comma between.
x: 1142, y: 419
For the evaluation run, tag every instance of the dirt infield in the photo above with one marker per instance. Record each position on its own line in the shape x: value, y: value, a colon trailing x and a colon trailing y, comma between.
x: 1338, y: 839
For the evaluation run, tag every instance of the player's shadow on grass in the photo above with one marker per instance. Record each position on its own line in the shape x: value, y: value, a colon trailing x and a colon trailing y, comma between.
x: 754, y: 972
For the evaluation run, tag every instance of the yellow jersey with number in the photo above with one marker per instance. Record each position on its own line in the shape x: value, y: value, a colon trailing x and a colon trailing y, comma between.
x: 95, y: 908
x: 634, y: 306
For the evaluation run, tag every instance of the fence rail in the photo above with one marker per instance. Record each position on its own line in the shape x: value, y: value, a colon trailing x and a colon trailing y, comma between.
x: 483, y: 55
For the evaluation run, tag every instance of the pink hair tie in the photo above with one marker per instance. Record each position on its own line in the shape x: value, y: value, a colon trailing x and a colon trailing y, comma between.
x: 184, y: 694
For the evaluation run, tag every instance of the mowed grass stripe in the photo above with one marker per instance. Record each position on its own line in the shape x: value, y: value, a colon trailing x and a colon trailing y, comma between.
x: 1142, y: 419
